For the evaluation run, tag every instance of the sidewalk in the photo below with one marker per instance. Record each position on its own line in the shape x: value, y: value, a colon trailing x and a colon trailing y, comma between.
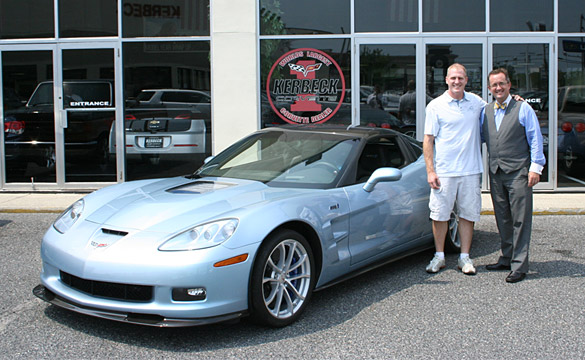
x: 544, y: 203
x: 37, y: 202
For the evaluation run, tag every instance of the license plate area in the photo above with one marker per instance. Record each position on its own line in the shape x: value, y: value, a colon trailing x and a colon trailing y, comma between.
x: 153, y: 142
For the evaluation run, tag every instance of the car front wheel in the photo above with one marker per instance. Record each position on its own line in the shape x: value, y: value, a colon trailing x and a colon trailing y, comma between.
x: 452, y: 240
x: 283, y: 278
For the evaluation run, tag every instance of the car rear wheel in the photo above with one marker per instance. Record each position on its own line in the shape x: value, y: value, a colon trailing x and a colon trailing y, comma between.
x: 572, y: 163
x: 452, y: 240
x: 48, y: 157
x: 102, y: 153
x: 153, y: 159
x: 283, y: 278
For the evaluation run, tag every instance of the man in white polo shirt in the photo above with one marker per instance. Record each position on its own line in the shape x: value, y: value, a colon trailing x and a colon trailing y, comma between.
x: 452, y: 145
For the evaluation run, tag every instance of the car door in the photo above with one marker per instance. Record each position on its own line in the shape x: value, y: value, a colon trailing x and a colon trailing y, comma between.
x: 394, y: 216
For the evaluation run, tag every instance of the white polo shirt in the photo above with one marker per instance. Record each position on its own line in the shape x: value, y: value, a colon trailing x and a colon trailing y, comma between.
x: 455, y: 124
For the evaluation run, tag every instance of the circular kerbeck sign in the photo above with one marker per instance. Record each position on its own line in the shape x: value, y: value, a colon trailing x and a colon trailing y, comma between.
x: 305, y: 86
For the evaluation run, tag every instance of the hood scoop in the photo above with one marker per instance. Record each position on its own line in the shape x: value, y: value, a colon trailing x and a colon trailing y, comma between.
x: 199, y: 187
x: 114, y: 232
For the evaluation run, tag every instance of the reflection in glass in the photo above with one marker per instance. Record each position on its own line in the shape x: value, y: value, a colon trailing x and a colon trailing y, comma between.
x: 441, y: 56
x: 386, y: 15
x: 26, y: 19
x: 572, y: 16
x: 167, y: 108
x: 304, y: 17
x: 290, y: 102
x: 453, y: 15
x: 527, y: 65
x: 88, y: 90
x: 149, y: 18
x: 29, y: 126
x: 571, y: 113
x: 387, y: 87
x: 88, y: 18
x: 521, y: 15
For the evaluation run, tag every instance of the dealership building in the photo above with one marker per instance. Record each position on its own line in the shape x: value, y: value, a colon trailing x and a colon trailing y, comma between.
x: 97, y: 92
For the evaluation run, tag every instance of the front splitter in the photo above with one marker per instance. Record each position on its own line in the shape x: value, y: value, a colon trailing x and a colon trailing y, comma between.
x: 47, y: 295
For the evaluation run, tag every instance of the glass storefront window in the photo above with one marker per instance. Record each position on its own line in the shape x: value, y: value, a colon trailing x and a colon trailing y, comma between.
x: 521, y: 15
x: 571, y: 113
x: 89, y: 100
x: 388, y: 86
x: 453, y: 15
x: 29, y: 127
x: 386, y: 15
x: 88, y: 18
x: 27, y: 19
x: 527, y: 65
x: 441, y: 56
x: 571, y: 16
x: 151, y: 18
x: 305, y: 81
x: 167, y: 107
x: 304, y: 17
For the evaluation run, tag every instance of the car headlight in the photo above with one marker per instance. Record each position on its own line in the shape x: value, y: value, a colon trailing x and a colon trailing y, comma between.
x: 202, y: 236
x: 66, y: 220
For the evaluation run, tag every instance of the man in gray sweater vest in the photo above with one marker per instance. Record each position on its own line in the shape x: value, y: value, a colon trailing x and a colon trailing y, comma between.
x: 516, y: 159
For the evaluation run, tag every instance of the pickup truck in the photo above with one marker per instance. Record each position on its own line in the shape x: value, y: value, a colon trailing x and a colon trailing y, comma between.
x: 30, y: 130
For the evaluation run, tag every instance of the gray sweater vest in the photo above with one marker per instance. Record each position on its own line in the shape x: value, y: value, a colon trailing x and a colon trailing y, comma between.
x: 508, y: 148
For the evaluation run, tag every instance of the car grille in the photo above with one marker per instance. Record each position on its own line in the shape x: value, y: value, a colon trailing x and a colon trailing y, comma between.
x: 108, y: 290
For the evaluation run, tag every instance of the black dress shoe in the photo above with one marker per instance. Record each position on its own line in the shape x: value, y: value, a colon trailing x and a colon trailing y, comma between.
x: 515, y: 277
x: 497, y: 266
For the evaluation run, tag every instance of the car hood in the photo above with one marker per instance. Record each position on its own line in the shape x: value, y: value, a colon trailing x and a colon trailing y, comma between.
x: 171, y: 204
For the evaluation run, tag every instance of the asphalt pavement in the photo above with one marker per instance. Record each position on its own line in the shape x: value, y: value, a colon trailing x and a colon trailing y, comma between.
x: 544, y: 203
x: 397, y: 311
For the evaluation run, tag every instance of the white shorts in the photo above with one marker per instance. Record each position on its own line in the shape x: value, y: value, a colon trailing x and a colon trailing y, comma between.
x: 465, y: 191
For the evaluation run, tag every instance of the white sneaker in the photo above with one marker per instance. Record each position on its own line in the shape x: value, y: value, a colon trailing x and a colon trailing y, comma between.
x: 435, y: 265
x: 466, y: 266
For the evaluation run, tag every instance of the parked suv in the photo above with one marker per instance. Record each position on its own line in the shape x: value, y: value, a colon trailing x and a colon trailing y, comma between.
x: 572, y: 129
x: 171, y: 103
x: 166, y: 122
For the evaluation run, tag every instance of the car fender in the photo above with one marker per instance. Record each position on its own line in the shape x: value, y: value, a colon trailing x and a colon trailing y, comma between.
x: 324, y: 212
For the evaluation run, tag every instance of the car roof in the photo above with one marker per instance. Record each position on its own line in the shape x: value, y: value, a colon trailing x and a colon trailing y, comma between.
x: 177, y: 90
x: 355, y: 131
x: 99, y: 81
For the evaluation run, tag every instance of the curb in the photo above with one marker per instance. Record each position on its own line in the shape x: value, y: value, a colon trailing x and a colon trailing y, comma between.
x: 31, y: 211
x: 483, y: 212
x: 544, y: 212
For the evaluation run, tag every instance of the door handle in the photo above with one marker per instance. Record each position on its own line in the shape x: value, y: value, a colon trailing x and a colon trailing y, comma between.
x: 64, y: 119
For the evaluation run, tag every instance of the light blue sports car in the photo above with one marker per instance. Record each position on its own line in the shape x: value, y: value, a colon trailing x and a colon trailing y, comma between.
x: 259, y: 227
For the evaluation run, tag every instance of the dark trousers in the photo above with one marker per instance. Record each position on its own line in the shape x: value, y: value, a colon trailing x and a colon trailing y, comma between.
x: 512, y: 199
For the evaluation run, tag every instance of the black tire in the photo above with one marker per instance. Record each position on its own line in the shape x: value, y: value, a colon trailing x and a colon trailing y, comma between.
x: 452, y: 240
x: 573, y: 163
x: 283, y: 278
x: 102, y: 152
x: 48, y: 158
x: 152, y: 159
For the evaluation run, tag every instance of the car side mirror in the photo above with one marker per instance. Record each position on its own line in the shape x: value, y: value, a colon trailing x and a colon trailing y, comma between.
x: 382, y: 175
x: 207, y: 159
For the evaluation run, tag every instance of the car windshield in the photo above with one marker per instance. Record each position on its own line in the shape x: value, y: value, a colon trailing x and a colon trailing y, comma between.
x: 145, y: 95
x: 289, y: 158
x: 43, y: 95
